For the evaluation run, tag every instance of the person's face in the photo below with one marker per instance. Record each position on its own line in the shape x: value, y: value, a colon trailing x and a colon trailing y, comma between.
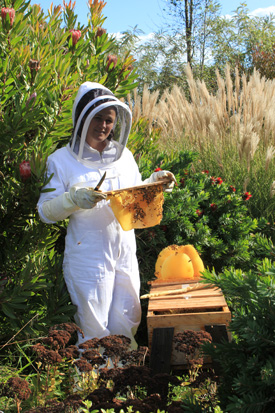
x: 100, y: 128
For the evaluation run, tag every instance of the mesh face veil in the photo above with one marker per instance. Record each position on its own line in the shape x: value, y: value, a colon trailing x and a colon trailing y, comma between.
x: 91, y: 99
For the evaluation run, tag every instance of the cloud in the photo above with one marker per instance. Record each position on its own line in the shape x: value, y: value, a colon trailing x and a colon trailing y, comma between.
x: 260, y: 12
x: 143, y: 38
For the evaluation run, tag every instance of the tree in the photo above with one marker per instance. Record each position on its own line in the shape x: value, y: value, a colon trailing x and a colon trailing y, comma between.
x: 236, y: 38
x: 193, y: 20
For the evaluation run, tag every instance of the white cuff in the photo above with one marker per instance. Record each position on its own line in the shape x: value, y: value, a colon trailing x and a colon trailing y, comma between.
x: 59, y: 208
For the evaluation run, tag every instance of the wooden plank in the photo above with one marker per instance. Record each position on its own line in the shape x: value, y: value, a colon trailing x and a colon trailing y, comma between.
x: 174, y: 304
x: 189, y: 294
x: 188, y: 321
x: 161, y: 350
x: 157, y: 283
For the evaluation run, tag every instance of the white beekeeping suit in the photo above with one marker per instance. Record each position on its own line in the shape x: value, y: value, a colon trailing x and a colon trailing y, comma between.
x: 100, y: 264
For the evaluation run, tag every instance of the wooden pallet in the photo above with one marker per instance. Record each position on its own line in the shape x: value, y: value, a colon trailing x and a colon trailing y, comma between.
x: 204, y: 309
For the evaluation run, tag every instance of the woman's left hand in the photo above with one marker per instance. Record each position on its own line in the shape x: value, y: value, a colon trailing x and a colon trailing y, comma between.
x: 166, y: 176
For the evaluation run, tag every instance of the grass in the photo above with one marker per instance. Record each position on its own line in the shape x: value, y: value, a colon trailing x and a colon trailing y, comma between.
x: 233, y: 130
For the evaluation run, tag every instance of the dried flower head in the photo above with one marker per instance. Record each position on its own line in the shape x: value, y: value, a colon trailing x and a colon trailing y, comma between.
x: 70, y: 352
x: 189, y: 341
x: 34, y: 65
x: 57, y: 338
x: 16, y: 388
x: 70, y: 327
x: 92, y: 343
x: 83, y: 365
x: 94, y: 357
x: 100, y: 31
x: 46, y: 356
x: 115, y: 345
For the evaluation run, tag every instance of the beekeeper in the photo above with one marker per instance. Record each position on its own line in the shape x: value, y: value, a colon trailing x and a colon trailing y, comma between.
x: 100, y: 264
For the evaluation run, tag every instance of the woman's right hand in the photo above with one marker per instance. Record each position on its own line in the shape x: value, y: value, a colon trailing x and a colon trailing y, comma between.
x: 85, y: 198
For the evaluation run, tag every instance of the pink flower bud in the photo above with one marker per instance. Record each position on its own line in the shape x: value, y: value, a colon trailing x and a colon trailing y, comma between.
x: 25, y: 170
x: 76, y: 34
x: 10, y: 12
x: 111, y: 60
x: 31, y: 98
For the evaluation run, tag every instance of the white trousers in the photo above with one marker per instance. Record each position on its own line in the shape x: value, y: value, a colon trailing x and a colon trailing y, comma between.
x: 106, y: 305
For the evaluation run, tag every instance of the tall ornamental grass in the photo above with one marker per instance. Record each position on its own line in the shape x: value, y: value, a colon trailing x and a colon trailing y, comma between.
x: 233, y: 130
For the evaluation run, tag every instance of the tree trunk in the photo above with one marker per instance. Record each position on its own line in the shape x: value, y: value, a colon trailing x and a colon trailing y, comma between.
x: 188, y: 29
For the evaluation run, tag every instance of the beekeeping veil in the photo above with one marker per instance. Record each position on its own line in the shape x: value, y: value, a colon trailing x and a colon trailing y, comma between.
x: 91, y: 99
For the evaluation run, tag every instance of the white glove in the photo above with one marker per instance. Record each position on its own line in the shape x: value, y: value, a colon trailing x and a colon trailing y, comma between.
x: 163, y: 176
x: 64, y: 205
x: 86, y: 198
x: 58, y: 208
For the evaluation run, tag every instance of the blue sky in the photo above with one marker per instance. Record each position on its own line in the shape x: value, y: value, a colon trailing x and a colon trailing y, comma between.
x: 122, y: 15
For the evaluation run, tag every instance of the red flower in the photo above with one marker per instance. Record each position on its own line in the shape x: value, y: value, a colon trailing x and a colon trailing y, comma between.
x: 10, y: 12
x: 157, y: 169
x: 205, y: 171
x: 76, y: 34
x: 199, y: 212
x: 25, y: 170
x: 213, y: 207
x: 233, y: 189
x: 219, y: 180
x: 247, y: 196
x: 111, y: 61
x: 182, y: 182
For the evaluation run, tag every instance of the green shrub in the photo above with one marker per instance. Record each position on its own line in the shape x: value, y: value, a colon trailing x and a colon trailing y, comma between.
x: 210, y: 214
x: 42, y: 65
x: 247, y: 363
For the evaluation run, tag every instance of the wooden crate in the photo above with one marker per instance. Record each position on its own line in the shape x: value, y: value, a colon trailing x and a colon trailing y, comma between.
x: 185, y: 311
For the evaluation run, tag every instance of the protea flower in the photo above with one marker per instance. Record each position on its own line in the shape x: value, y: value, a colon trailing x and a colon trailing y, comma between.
x: 111, y: 60
x: 10, y: 12
x: 25, y: 170
x: 76, y: 34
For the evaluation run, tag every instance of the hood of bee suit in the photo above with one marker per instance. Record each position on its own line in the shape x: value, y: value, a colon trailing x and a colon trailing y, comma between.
x: 91, y: 99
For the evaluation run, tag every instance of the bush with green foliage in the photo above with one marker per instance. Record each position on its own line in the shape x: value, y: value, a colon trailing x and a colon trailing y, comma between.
x: 43, y: 60
x: 210, y: 214
x: 247, y: 363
